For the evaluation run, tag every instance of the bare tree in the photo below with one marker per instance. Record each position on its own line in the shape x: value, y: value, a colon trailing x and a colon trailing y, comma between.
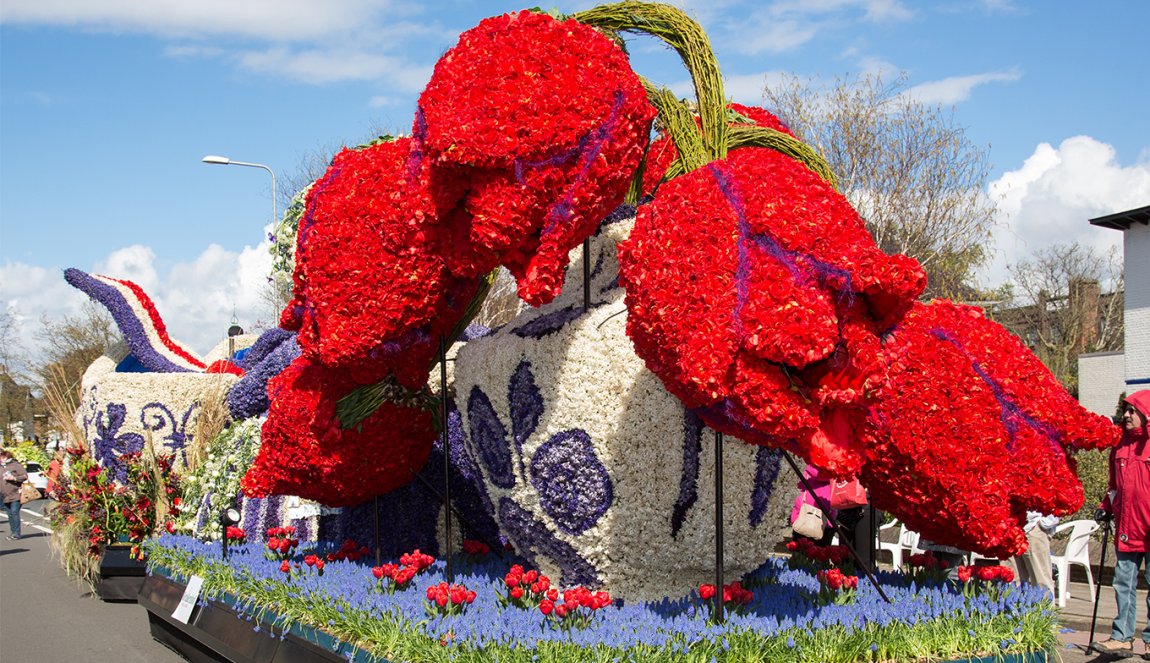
x: 12, y: 357
x: 1060, y: 309
x: 502, y: 302
x: 907, y: 167
x: 69, y: 346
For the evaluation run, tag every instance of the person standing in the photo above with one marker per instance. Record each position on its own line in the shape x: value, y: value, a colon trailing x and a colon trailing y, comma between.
x: 1127, y: 503
x: 1033, y: 566
x: 14, y: 476
x: 819, y: 499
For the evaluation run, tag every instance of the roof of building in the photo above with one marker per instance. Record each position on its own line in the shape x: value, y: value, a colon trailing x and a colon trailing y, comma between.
x: 1123, y: 220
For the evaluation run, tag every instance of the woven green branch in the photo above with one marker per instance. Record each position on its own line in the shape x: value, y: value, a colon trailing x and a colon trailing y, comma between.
x: 688, y: 39
x: 679, y: 122
x: 756, y: 136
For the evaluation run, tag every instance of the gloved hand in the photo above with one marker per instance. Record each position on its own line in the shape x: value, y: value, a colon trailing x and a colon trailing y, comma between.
x: 1101, y: 515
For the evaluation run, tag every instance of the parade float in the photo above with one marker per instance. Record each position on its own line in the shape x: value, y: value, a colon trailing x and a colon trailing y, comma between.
x: 609, y: 474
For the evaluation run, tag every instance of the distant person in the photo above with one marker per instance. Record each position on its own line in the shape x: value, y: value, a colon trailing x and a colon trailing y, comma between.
x: 55, y: 467
x: 14, y: 476
x: 1033, y: 566
x: 1127, y: 503
x: 821, y: 485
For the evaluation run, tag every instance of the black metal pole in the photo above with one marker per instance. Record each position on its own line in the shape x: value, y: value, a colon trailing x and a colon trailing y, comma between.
x: 718, y: 609
x: 446, y: 456
x: 587, y: 275
x: 1098, y: 589
x: 496, y: 547
x: 826, y: 509
x: 224, y: 533
x: 378, y: 549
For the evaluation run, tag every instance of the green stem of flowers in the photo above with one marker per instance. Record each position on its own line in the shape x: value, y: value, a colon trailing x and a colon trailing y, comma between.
x: 687, y: 38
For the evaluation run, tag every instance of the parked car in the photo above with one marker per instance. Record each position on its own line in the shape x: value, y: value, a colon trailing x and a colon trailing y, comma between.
x: 36, y: 476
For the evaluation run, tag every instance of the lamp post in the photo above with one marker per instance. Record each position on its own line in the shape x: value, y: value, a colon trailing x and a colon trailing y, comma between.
x: 224, y: 161
x: 233, y: 331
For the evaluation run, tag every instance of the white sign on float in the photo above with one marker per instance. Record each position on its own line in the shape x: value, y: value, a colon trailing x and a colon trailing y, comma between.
x: 183, y: 611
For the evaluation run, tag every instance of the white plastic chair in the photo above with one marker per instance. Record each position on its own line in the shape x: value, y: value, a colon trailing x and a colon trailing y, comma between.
x: 1077, y: 552
x: 907, y: 541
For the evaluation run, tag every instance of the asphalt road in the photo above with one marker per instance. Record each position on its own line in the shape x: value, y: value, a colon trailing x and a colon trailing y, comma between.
x: 45, y: 617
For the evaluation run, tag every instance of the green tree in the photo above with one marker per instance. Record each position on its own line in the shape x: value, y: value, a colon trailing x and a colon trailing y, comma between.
x: 907, y: 167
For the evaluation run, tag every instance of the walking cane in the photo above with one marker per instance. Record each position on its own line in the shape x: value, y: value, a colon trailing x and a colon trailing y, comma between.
x: 1098, y: 589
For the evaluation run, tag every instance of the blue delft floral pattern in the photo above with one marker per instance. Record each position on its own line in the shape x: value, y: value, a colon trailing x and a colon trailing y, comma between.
x: 108, y: 443
x: 573, y: 485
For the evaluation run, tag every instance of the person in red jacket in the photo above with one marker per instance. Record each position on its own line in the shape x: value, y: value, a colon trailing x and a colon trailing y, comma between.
x: 1127, y: 502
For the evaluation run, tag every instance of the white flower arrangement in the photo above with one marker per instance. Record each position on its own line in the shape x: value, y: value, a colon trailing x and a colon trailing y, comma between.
x: 588, y: 460
x: 215, y: 484
x: 162, y: 407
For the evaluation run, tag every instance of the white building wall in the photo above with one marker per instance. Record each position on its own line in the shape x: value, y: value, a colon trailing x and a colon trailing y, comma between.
x: 1101, y: 381
x: 1137, y: 262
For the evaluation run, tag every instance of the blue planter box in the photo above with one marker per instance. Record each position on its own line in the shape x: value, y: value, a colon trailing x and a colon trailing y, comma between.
x: 217, y: 633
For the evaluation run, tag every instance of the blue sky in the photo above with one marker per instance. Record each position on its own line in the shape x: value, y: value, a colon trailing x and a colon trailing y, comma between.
x: 107, y: 106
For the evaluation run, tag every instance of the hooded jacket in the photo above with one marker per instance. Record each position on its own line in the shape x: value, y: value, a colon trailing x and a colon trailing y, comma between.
x: 14, y: 476
x: 1128, y: 498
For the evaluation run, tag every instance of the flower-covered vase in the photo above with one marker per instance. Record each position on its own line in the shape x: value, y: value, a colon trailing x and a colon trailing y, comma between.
x: 593, y: 471
x: 119, y: 412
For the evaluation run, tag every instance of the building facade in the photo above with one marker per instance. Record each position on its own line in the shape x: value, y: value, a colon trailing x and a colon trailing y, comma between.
x: 1103, y: 391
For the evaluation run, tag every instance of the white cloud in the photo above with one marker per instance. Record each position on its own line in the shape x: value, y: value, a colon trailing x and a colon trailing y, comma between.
x: 381, y: 101
x: 957, y: 88
x: 328, y: 66
x: 748, y: 88
x: 189, y: 51
x: 311, y: 41
x: 1000, y: 6
x: 771, y: 35
x: 873, y: 10
x: 741, y: 88
x: 874, y: 66
x: 133, y: 263
x: 786, y: 25
x: 196, y: 299
x: 262, y: 19
x: 1053, y: 195
x: 887, y: 10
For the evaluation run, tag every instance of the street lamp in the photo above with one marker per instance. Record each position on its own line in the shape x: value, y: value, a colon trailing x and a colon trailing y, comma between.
x: 224, y: 161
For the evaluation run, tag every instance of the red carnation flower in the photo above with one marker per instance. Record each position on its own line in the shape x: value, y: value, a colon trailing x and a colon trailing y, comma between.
x: 544, y: 122
x: 306, y: 451
x: 756, y: 294
x: 981, y: 425
x: 372, y: 292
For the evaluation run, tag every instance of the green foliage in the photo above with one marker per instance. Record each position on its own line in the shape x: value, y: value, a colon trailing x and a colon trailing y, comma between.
x: 1094, y: 473
x: 30, y: 452
x: 93, y: 510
